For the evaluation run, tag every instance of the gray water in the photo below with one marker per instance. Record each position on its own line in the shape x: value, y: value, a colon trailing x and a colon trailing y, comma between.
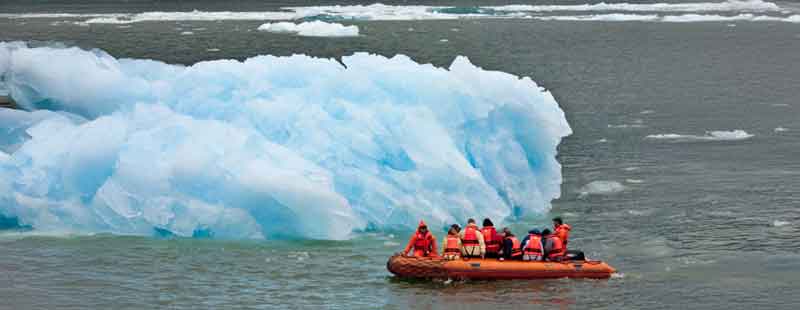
x: 699, y: 224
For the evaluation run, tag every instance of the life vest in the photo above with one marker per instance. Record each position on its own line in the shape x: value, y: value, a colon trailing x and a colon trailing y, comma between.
x: 423, y: 242
x: 515, y: 248
x: 470, y: 237
x: 562, y: 231
x: 534, y: 246
x: 452, y: 246
x: 558, y: 249
x: 492, y: 243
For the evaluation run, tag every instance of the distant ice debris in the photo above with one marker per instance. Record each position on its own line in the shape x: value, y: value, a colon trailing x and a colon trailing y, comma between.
x: 187, y: 33
x: 781, y: 129
x: 720, y: 135
x: 601, y: 188
x: 312, y: 29
x: 684, y: 18
x: 636, y: 125
x: 603, y: 140
x: 420, y: 12
x: 647, y: 112
x: 779, y: 223
x: 269, y: 147
x: 634, y: 181
x: 212, y: 50
x: 444, y: 40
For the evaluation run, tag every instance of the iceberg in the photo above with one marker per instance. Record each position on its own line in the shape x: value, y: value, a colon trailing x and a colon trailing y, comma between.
x: 312, y: 29
x: 269, y: 147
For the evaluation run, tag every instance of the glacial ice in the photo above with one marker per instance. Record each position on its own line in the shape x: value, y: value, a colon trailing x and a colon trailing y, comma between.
x: 312, y: 29
x: 271, y: 147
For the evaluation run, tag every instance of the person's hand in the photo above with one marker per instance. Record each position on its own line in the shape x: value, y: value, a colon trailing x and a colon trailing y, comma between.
x: 501, y: 259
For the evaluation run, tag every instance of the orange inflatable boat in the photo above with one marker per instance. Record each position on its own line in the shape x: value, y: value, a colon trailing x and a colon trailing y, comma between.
x: 476, y: 268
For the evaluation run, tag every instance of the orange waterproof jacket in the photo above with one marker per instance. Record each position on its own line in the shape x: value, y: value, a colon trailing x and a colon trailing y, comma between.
x: 491, y: 239
x: 424, y: 245
x: 562, y: 231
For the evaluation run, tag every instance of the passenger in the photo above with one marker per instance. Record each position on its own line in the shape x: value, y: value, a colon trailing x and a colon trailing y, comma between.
x: 553, y: 246
x: 472, y: 244
x: 423, y: 242
x: 561, y: 230
x: 512, y: 249
x: 451, y: 247
x: 456, y: 227
x: 532, y: 246
x: 492, y: 239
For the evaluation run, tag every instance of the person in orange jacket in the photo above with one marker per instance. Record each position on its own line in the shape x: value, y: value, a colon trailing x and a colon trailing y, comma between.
x: 451, y: 246
x: 472, y: 244
x: 561, y: 230
x: 554, y: 249
x: 422, y: 242
x: 491, y: 238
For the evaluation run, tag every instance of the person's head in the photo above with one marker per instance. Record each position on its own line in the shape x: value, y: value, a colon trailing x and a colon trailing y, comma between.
x: 422, y: 227
x: 456, y: 227
x: 507, y: 232
x: 546, y: 232
x: 470, y: 221
x: 534, y: 232
x: 487, y: 222
x: 452, y: 231
x: 557, y: 221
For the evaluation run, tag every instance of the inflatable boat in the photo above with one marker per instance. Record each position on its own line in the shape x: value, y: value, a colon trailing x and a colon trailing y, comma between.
x: 477, y: 268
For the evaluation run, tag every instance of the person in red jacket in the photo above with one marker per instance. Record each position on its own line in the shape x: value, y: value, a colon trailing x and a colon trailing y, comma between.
x: 422, y: 242
x: 491, y: 238
x: 561, y: 230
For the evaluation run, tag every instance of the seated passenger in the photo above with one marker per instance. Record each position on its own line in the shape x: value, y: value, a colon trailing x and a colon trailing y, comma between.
x: 532, y: 246
x: 491, y: 238
x: 472, y: 244
x: 512, y: 249
x: 422, y: 241
x: 451, y: 246
x: 553, y: 246
x: 561, y: 230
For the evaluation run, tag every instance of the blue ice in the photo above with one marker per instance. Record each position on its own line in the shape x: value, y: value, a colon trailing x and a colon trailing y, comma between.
x: 269, y: 147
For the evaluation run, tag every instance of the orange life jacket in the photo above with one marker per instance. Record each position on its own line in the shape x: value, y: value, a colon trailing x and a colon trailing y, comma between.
x: 534, y: 245
x: 558, y: 249
x: 470, y: 237
x: 562, y: 231
x: 452, y: 246
x: 423, y: 242
x: 515, y: 248
x: 492, y: 243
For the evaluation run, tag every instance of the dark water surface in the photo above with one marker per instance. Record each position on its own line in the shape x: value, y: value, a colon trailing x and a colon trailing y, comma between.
x: 699, y: 224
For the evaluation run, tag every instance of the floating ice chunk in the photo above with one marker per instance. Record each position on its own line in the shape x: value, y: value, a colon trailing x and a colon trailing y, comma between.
x: 779, y: 223
x: 683, y: 18
x: 601, y: 188
x: 720, y: 135
x: 312, y: 29
x: 187, y: 33
x: 781, y: 129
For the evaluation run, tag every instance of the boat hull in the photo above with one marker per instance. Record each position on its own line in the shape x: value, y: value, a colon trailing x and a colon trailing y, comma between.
x: 476, y: 268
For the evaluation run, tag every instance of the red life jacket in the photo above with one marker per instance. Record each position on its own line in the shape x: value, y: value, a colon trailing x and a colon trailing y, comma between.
x: 423, y: 242
x: 515, y: 248
x: 452, y: 246
x: 492, y: 243
x: 562, y: 231
x: 534, y: 246
x: 470, y: 237
x: 558, y: 249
